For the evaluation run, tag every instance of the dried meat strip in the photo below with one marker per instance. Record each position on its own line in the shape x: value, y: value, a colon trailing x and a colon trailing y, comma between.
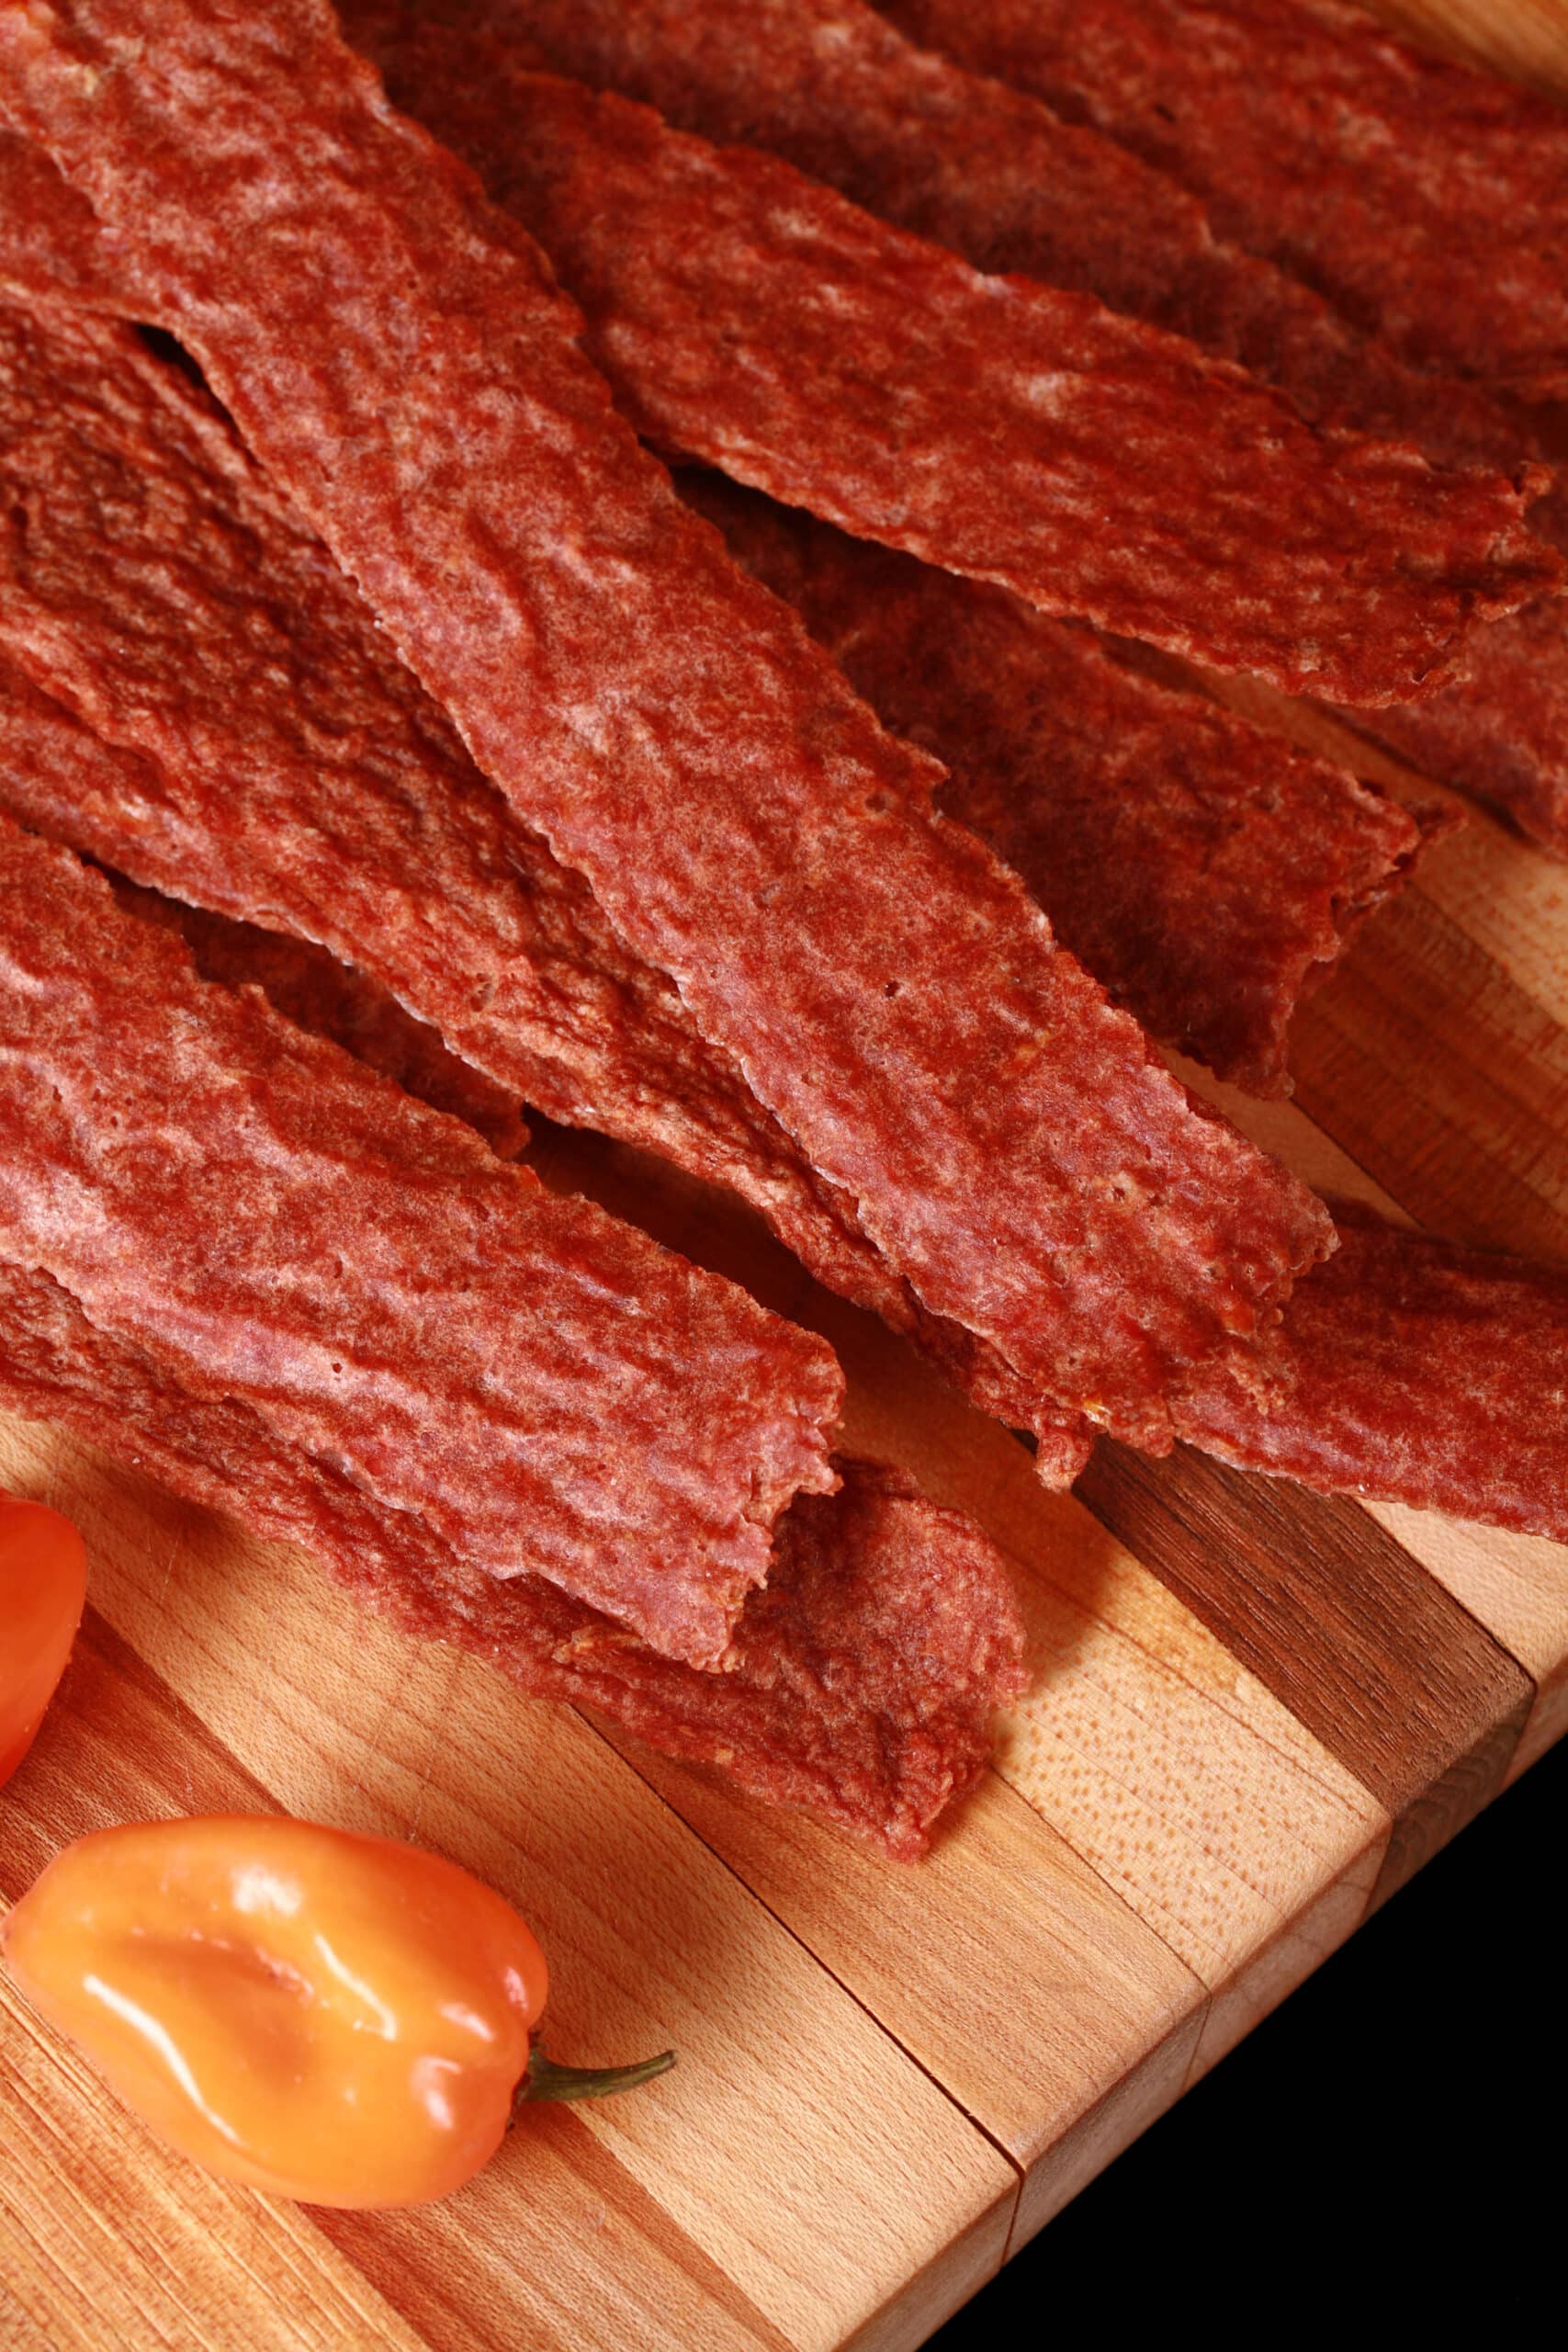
x: 50, y: 241
x: 725, y: 296
x: 831, y: 87
x: 1410, y: 1371
x: 398, y: 356
x: 332, y: 999
x: 986, y: 170
x: 1129, y: 811
x: 864, y: 1678
x: 171, y: 637
x: 1500, y: 733
x: 1206, y: 872
x: 1501, y: 730
x: 547, y: 1387
x: 748, y: 316
x: 1429, y: 201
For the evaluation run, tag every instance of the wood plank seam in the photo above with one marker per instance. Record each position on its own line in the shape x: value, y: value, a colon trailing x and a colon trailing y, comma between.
x: 629, y: 1756
x: 78, y: 1754
x: 1244, y: 1553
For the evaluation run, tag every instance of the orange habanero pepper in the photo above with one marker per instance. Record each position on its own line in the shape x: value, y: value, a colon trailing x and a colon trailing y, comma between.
x: 43, y: 1586
x: 333, y: 2018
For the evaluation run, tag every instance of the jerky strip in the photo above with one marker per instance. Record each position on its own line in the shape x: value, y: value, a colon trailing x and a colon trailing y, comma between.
x: 748, y: 316
x: 984, y: 170
x: 1429, y: 201
x: 551, y: 1390
x: 1207, y: 874
x: 50, y: 240
x: 399, y: 357
x: 1501, y: 732
x: 864, y: 1675
x: 1410, y: 1371
x: 344, y: 809
x: 831, y: 87
x: 1125, y: 808
x: 316, y: 992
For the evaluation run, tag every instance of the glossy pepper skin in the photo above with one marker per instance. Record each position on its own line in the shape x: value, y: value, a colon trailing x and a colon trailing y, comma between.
x: 43, y: 1584
x: 339, y: 2018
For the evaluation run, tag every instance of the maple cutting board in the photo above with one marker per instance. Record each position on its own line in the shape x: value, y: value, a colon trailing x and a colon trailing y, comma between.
x: 1252, y: 1715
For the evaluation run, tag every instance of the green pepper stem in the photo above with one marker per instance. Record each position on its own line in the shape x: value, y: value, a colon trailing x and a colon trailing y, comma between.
x: 545, y: 2079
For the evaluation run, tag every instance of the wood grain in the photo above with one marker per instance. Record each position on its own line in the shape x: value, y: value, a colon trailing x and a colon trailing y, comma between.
x: 795, y: 2149
x: 1514, y: 1584
x: 105, y: 2235
x: 1366, y: 1649
x: 1445, y: 1080
x: 1526, y: 38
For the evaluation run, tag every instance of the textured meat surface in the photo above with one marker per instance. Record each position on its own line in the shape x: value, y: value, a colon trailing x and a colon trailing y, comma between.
x: 831, y: 86
x: 998, y: 426
x: 399, y: 357
x: 216, y: 660
x: 50, y: 241
x: 316, y: 992
x: 864, y: 1678
x: 1501, y: 730
x: 1206, y: 872
x: 1410, y: 1371
x: 985, y: 170
x: 1428, y: 201
x: 547, y: 1387
x: 990, y: 173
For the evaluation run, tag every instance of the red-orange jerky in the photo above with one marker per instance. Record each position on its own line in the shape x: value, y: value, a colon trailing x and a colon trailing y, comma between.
x: 992, y: 173
x: 751, y: 317
x: 1207, y: 874
x: 50, y: 241
x: 864, y: 1675
x: 1501, y: 730
x: 547, y: 1387
x: 1394, y: 181
x: 981, y: 168
x: 859, y: 99
x: 1411, y: 1370
x: 398, y: 353
x: 316, y: 992
x: 344, y: 807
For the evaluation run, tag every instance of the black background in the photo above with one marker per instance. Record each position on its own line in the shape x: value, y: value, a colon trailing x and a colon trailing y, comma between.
x: 1388, y: 2145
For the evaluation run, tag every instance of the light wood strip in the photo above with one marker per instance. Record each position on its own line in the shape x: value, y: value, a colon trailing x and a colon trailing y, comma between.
x: 1005, y: 1964
x: 1508, y: 896
x: 119, y: 1746
x: 1517, y: 1587
x: 557, y: 2241
x: 1436, y: 1054
x: 1527, y: 37
x: 1301, y: 1945
x: 18, y: 2331
x: 1366, y: 1649
x: 1191, y: 1787
x: 105, y: 2234
x: 795, y: 2147
x: 1444, y: 1081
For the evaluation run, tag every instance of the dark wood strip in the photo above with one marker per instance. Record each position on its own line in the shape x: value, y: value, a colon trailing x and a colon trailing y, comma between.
x: 1363, y: 1645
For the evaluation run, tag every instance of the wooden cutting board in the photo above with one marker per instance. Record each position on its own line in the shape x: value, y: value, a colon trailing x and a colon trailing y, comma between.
x: 1252, y: 1715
